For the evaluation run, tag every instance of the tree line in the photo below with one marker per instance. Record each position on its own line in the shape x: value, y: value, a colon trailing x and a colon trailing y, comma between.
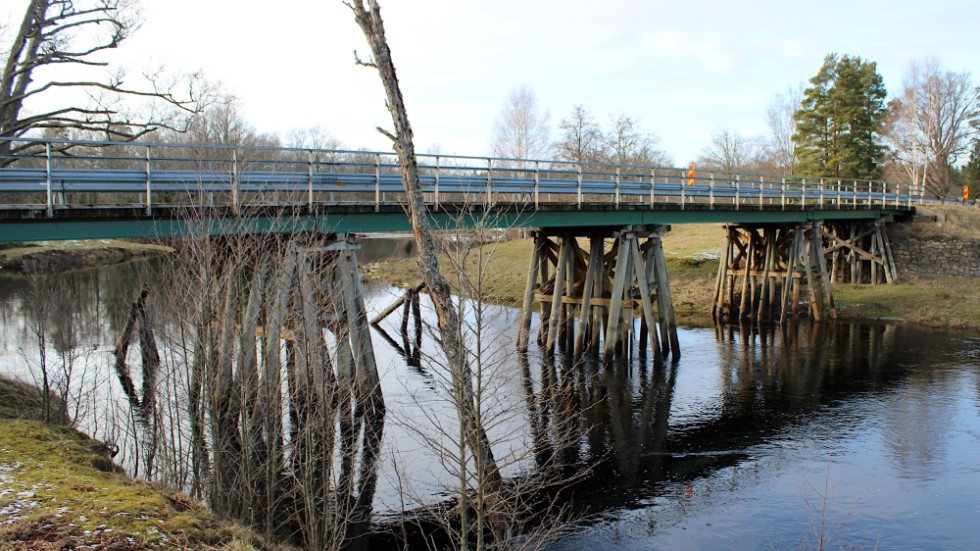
x: 841, y: 124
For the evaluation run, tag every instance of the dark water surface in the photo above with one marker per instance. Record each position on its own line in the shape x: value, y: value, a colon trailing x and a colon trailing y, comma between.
x: 748, y: 442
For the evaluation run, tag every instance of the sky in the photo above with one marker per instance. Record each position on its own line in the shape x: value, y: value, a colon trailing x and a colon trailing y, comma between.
x: 685, y: 69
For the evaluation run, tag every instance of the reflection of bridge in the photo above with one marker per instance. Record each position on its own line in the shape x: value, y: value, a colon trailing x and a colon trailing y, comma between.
x: 629, y: 424
x: 780, y: 229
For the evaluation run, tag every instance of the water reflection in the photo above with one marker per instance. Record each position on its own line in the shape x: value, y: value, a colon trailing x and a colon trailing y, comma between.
x: 746, y: 413
x: 631, y: 424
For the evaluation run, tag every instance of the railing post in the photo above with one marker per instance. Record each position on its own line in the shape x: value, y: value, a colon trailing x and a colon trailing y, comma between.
x: 821, y: 193
x: 489, y: 181
x: 738, y: 191
x: 653, y: 185
x: 870, y: 193
x: 618, y: 177
x: 437, y: 182
x: 683, y: 192
x: 578, y: 189
x: 149, y: 197
x: 377, y: 182
x: 762, y: 195
x: 839, y: 199
x: 537, y: 182
x: 47, y: 166
x: 711, y: 190
x: 309, y: 168
x: 803, y: 196
x: 234, y: 181
x: 782, y: 190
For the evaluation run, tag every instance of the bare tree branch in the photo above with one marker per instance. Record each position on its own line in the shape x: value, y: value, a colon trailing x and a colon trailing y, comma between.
x: 72, y: 33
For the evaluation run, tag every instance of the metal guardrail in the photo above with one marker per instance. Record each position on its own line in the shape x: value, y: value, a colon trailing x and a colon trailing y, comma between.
x: 83, y: 173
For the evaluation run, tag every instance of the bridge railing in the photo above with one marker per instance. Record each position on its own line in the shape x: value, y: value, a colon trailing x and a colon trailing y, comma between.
x: 58, y: 174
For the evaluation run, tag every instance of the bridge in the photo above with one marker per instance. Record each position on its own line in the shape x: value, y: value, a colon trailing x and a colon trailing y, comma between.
x: 782, y: 233
x: 87, y: 190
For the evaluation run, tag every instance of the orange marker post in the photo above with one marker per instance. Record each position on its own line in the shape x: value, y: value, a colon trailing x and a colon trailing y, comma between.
x: 691, y: 173
x: 966, y: 193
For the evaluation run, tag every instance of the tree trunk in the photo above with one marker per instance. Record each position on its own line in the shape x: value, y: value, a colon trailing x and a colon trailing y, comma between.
x: 451, y: 341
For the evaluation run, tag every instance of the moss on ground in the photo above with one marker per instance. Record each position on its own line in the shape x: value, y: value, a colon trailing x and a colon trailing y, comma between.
x: 60, y: 490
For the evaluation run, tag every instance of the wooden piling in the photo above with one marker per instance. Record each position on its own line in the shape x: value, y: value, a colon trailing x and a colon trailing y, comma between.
x: 590, y: 297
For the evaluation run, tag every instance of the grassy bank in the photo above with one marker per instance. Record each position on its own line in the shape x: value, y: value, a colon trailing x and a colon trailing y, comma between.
x: 692, y: 262
x: 60, y: 490
x: 57, y: 256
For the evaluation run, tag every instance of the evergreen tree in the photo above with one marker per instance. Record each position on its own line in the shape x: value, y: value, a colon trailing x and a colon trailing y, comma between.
x: 839, y: 118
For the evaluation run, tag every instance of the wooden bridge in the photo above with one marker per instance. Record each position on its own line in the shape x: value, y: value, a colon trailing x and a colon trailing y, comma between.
x: 784, y: 235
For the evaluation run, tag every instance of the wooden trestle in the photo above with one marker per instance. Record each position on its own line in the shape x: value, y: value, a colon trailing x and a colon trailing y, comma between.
x: 764, y: 269
x: 859, y: 252
x: 588, y: 295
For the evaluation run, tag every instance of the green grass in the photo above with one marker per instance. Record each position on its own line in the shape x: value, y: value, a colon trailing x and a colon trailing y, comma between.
x: 939, y: 302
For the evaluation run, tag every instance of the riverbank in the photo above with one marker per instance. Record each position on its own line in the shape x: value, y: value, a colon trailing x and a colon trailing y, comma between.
x: 693, y: 253
x: 60, y: 256
x: 60, y: 490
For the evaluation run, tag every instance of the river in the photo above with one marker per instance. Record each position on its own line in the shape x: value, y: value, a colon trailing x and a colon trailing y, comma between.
x: 753, y: 440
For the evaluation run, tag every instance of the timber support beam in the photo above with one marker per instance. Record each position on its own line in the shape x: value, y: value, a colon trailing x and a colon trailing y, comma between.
x: 590, y: 286
x: 765, y: 269
x: 859, y: 252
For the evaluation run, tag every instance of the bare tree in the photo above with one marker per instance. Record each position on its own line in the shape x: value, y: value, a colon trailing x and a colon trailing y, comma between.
x: 931, y: 123
x: 368, y: 17
x: 312, y: 138
x: 68, y: 39
x: 627, y: 144
x: 521, y: 130
x: 782, y: 125
x: 223, y: 123
x: 581, y: 138
x: 728, y: 151
x: 908, y: 149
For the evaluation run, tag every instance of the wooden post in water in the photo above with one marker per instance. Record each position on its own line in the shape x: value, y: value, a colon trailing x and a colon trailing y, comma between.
x: 591, y: 296
x: 765, y: 263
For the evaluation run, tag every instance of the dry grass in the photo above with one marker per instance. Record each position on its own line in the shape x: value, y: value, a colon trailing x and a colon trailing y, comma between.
x: 952, y: 221
x: 51, y: 256
x: 938, y: 302
x: 692, y: 252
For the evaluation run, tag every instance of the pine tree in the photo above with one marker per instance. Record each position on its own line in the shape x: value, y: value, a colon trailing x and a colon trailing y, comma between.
x: 839, y: 119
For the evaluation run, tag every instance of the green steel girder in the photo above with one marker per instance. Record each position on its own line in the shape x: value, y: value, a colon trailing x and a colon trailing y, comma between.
x: 362, y: 219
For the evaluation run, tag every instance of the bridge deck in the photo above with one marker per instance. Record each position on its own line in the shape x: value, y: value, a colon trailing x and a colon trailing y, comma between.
x: 93, y: 190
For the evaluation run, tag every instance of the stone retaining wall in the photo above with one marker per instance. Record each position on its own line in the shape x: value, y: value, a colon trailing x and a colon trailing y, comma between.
x: 953, y: 257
